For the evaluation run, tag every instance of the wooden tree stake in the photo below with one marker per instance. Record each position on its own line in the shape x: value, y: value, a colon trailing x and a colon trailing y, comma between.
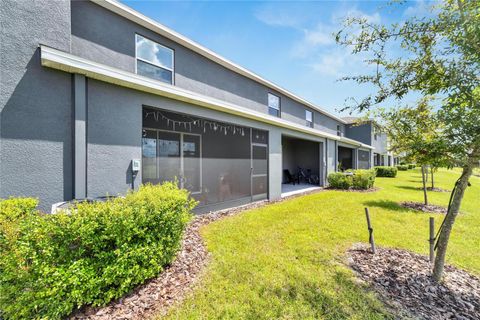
x: 370, y: 231
x: 432, y: 240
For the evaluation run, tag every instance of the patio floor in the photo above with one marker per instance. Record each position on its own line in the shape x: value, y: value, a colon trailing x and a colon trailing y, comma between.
x: 290, y: 189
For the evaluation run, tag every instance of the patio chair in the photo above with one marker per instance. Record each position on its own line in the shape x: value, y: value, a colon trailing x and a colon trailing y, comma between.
x: 290, y: 178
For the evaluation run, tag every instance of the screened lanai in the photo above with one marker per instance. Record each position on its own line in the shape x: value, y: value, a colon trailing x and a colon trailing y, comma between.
x: 217, y: 162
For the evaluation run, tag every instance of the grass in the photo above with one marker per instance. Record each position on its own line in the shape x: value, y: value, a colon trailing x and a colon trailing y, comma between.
x: 287, y: 260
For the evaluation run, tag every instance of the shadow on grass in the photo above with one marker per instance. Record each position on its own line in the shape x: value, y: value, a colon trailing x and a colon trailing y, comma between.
x: 409, y: 188
x: 386, y: 204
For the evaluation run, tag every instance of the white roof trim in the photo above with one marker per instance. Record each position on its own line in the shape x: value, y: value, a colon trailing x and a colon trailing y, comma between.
x: 67, y: 62
x: 135, y: 16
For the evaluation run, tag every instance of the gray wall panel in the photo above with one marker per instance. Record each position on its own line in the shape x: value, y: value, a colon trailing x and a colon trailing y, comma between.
x: 35, y: 103
x: 101, y: 36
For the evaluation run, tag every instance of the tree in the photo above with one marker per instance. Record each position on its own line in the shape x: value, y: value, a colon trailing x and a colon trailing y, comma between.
x: 417, y: 133
x: 441, y: 57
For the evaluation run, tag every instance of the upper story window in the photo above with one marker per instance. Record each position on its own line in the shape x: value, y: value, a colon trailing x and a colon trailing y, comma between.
x: 339, y: 130
x: 309, y: 118
x: 273, y: 105
x: 154, y: 60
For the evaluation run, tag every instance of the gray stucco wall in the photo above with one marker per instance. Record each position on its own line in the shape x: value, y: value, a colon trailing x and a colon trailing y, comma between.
x: 362, y: 132
x: 35, y: 103
x: 102, y: 36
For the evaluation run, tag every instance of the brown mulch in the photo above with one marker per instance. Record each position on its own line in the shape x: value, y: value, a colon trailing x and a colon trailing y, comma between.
x: 403, y: 281
x: 154, y: 297
x: 434, y: 189
x: 431, y: 208
x: 374, y: 189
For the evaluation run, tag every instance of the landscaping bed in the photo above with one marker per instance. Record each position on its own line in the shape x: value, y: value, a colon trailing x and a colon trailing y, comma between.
x: 430, y: 208
x: 402, y: 279
x: 178, y: 279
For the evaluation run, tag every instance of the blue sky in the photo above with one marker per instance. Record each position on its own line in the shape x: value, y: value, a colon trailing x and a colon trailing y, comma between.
x: 288, y: 43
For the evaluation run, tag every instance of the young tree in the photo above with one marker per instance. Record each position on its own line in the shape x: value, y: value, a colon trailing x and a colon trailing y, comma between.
x: 441, y: 57
x: 417, y: 133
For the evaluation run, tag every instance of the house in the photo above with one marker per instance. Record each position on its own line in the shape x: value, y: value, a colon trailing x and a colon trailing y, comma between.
x: 97, y: 99
x: 366, y: 132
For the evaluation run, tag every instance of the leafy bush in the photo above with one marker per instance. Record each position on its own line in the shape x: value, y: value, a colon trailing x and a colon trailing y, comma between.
x: 363, y: 179
x: 402, y: 168
x: 340, y: 180
x: 11, y: 211
x: 95, y: 253
x: 357, y: 179
x: 389, y: 172
x: 411, y: 166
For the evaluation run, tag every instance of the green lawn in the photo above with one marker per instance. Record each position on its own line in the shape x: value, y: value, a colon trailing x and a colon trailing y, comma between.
x: 286, y: 260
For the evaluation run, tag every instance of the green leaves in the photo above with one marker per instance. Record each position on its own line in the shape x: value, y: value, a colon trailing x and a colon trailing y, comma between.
x: 96, y: 253
x: 358, y: 179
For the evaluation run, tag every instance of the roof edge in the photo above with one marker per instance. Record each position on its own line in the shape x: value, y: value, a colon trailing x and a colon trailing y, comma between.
x: 135, y: 16
x: 67, y: 62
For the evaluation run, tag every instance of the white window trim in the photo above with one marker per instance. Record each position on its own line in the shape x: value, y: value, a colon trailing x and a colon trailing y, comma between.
x: 310, y: 122
x: 268, y: 100
x: 172, y: 70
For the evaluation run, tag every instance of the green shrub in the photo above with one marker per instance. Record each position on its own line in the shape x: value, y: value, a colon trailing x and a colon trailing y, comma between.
x: 95, y: 253
x: 402, y: 168
x: 411, y: 166
x: 363, y: 179
x: 340, y: 180
x: 357, y: 179
x: 389, y: 172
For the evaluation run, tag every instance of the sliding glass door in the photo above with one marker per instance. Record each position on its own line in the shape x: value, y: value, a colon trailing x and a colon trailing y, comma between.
x: 172, y: 155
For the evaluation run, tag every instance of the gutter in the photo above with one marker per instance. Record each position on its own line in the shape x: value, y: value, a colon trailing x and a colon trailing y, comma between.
x: 67, y: 62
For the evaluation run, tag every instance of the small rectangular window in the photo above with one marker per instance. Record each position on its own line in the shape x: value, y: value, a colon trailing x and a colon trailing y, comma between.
x: 339, y: 130
x: 309, y: 118
x: 273, y: 105
x: 154, y: 60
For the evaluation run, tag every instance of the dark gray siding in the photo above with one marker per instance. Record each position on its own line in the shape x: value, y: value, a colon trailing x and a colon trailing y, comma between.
x: 102, y: 36
x: 362, y: 133
x: 35, y: 103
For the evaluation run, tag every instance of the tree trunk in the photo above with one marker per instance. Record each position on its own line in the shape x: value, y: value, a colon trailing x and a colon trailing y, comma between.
x: 425, y: 198
x: 449, y: 221
x: 433, y: 183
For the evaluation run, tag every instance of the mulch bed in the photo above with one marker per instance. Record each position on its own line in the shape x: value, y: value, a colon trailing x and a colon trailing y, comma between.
x: 431, y: 208
x: 434, y: 189
x: 403, y: 281
x: 374, y: 189
x: 154, y: 297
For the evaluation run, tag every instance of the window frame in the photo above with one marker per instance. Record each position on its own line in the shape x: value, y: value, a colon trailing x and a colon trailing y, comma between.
x: 309, y: 124
x: 279, y: 110
x: 339, y: 130
x: 172, y: 70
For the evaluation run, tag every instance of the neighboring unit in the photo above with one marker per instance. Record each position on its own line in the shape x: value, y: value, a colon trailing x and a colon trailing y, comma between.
x: 97, y: 99
x: 366, y: 132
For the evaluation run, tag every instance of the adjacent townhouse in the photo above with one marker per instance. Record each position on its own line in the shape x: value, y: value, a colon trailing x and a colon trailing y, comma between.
x: 367, y: 132
x: 97, y: 99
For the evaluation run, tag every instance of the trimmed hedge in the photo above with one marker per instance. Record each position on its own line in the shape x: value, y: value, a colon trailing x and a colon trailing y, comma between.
x: 389, y: 172
x: 99, y: 251
x: 359, y: 179
x: 363, y: 179
x: 411, y: 166
x: 402, y: 168
x: 340, y: 180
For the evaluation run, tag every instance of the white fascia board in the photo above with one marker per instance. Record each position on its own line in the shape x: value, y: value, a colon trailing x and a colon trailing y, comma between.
x: 67, y: 62
x: 135, y: 16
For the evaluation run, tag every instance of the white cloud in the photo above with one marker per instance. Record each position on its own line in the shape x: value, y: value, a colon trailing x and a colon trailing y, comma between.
x: 316, y: 45
x: 330, y: 64
x: 421, y: 8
